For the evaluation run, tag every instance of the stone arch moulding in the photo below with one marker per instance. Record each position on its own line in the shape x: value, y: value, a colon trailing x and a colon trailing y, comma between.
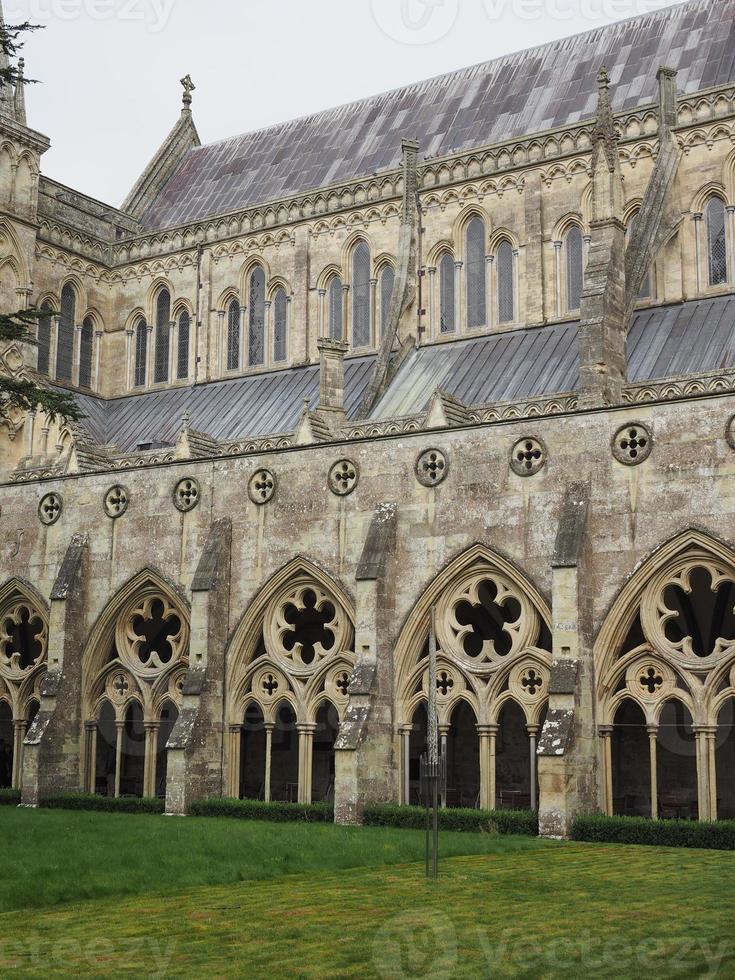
x: 244, y: 638
x: 96, y: 649
x: 623, y: 608
x: 411, y: 630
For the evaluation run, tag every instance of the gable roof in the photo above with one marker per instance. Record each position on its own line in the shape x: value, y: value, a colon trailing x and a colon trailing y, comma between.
x: 663, y: 342
x: 509, y: 97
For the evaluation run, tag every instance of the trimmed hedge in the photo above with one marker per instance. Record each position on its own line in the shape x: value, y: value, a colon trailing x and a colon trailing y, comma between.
x: 9, y: 797
x: 259, y: 810
x: 104, y: 804
x: 662, y: 833
x: 524, y: 822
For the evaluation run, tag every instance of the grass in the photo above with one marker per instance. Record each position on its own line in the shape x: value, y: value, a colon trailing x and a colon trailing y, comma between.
x: 521, y: 908
x: 82, y: 855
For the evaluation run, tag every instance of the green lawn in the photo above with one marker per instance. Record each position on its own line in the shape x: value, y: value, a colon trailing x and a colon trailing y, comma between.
x: 319, y: 901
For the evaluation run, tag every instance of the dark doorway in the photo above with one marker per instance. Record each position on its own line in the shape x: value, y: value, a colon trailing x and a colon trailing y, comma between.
x: 132, y: 765
x: 285, y: 756
x: 104, y: 783
x: 725, y: 761
x: 252, y: 755
x: 463, y: 758
x: 631, y: 762
x: 676, y: 763
x: 327, y: 728
x: 513, y: 759
x: 7, y: 745
x: 169, y: 717
x: 417, y: 747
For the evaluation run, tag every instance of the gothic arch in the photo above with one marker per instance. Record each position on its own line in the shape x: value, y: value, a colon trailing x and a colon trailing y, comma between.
x: 16, y: 251
x: 669, y: 639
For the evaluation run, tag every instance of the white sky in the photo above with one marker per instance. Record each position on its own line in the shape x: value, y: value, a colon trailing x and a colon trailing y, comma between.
x: 110, y: 69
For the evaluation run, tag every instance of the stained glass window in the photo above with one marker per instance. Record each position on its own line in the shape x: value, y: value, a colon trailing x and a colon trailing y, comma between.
x: 86, y: 345
x: 182, y: 357
x: 141, y: 352
x: 475, y: 272
x: 65, y: 340
x: 446, y: 293
x: 504, y: 259
x: 280, y: 325
x: 233, y: 335
x: 44, y: 341
x: 163, y: 318
x: 256, y: 332
x: 575, y: 268
x: 336, y: 329
x: 716, y: 242
x: 361, y: 296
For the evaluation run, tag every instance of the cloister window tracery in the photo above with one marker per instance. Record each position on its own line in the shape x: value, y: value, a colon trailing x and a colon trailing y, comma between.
x: 289, y: 693
x: 23, y: 658
x: 494, y: 656
x: 667, y: 695
x: 134, y: 694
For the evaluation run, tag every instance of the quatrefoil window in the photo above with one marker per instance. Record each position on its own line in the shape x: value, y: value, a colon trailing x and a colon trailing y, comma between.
x: 632, y: 444
x: 703, y: 615
x: 154, y: 635
x: 186, y: 494
x: 343, y: 477
x: 309, y: 627
x: 49, y: 510
x: 527, y: 456
x: 22, y: 638
x: 262, y: 487
x: 532, y: 682
x: 116, y: 502
x: 488, y: 620
x: 432, y: 467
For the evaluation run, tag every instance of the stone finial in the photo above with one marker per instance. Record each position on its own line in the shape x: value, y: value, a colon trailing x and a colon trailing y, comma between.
x: 185, y: 419
x: 666, y: 78
x: 189, y: 87
x: 604, y: 135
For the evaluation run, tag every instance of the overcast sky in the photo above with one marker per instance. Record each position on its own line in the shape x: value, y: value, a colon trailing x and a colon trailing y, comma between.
x: 110, y: 69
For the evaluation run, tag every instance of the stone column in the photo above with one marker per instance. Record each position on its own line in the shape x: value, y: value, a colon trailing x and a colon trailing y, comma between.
x: 234, y: 739
x: 557, y: 272
x: 432, y: 302
x: 149, y: 769
x: 488, y: 737
x: 516, y: 290
x: 712, y: 770
x: 490, y: 318
x: 323, y: 327
x: 268, y: 760
x: 306, y: 751
x: 53, y: 347
x: 90, y: 766
x: 19, y: 732
x: 119, y: 733
x: 150, y: 352
x: 220, y: 352
x: 346, y: 318
x: 444, y: 731
x: 730, y: 211
x: 405, y: 735
x: 267, y: 334
x: 374, y: 325
x: 652, y: 747
x: 698, y: 251
x: 172, y: 359
x: 29, y: 427
x: 606, y: 734
x: 458, y: 304
x: 75, y: 355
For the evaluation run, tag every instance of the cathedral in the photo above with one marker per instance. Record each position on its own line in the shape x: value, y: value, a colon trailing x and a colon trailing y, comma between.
x: 454, y: 363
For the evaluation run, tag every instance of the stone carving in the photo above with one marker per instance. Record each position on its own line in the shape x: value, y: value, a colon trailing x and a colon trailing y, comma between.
x: 186, y: 494
x: 432, y: 467
x: 632, y: 444
x: 343, y: 477
x: 50, y: 508
x: 262, y: 487
x: 151, y: 636
x: 23, y: 640
x: 116, y: 501
x: 528, y: 456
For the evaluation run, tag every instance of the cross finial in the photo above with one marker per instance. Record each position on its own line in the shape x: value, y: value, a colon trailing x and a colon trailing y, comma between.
x: 185, y: 417
x: 189, y: 87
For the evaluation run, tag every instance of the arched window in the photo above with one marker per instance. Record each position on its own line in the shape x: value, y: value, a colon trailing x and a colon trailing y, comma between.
x: 256, y: 333
x: 361, y: 295
x: 44, y: 339
x: 504, y: 260
x: 280, y: 324
x: 233, y: 335
x: 716, y: 242
x: 65, y: 340
x: 387, y: 281
x: 86, y: 344
x: 336, y: 327
x: 575, y: 268
x: 141, y: 352
x: 475, y: 264
x: 446, y: 293
x: 163, y: 318
x: 182, y: 354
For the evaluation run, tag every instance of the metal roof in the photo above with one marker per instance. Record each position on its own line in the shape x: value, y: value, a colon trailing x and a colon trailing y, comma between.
x: 688, y: 338
x: 510, y: 97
